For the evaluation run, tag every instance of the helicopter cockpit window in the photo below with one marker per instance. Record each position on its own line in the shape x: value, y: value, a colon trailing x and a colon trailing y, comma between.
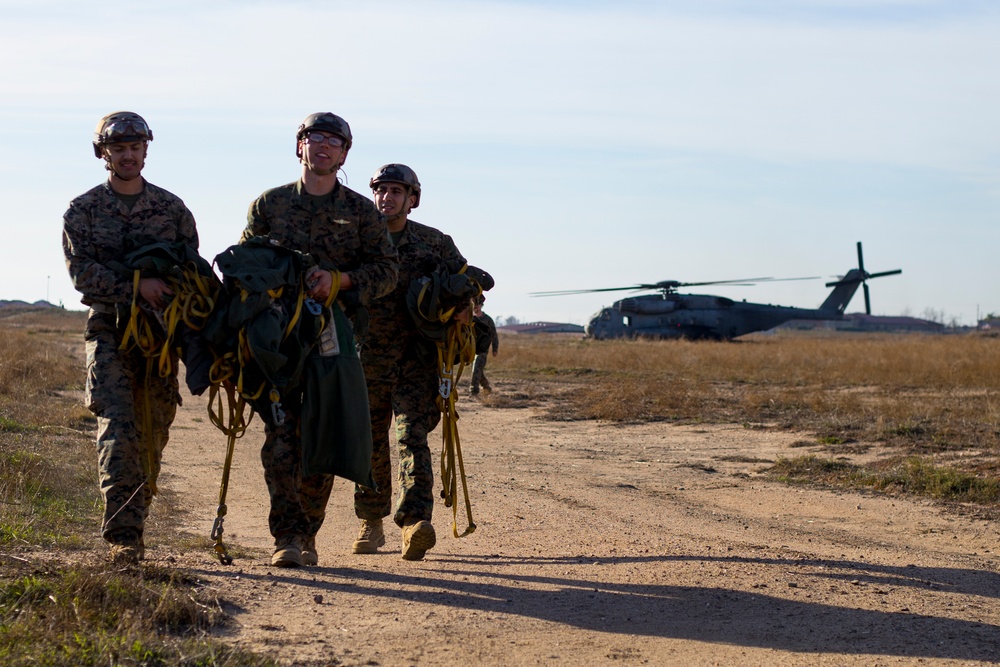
x: 627, y: 320
x: 605, y: 316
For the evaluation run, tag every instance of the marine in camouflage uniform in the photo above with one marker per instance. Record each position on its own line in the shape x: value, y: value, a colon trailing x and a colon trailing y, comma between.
x: 402, y: 377
x: 100, y: 228
x: 492, y: 341
x: 342, y: 231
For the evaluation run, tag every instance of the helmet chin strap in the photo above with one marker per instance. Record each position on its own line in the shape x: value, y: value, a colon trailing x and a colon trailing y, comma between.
x: 110, y: 167
x: 336, y: 170
x: 107, y: 165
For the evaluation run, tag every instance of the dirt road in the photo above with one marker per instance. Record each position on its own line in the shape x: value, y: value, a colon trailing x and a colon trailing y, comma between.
x: 600, y: 544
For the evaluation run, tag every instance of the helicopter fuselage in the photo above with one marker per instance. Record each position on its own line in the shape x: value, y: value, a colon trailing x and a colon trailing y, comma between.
x: 693, y: 316
x: 667, y: 314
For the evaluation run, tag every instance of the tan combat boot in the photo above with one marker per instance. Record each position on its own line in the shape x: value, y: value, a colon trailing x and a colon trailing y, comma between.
x: 287, y: 552
x: 418, y: 538
x: 370, y: 538
x: 125, y: 555
x: 309, y: 554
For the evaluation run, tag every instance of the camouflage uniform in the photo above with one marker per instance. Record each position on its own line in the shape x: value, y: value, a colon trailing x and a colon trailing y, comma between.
x: 98, y: 231
x: 344, y: 231
x: 402, y: 377
x: 479, y: 366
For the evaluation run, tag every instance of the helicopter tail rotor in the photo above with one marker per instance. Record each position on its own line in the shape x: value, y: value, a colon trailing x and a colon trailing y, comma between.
x: 861, y: 276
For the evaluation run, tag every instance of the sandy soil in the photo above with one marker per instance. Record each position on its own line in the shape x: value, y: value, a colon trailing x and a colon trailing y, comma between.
x: 601, y: 544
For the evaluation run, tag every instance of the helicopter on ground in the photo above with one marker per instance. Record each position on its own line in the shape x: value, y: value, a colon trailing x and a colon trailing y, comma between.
x: 668, y: 314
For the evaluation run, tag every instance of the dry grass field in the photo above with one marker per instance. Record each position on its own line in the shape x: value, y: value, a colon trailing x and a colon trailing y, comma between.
x: 56, y: 606
x: 929, y: 403
x: 934, y: 400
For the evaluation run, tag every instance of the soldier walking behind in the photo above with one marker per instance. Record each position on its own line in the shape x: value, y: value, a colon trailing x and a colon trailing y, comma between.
x: 347, y: 238
x: 402, y: 377
x: 486, y: 338
x: 100, y: 228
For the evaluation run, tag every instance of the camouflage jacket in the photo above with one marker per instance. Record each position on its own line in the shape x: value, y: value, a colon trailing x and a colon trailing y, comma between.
x: 421, y: 250
x: 99, y: 231
x: 489, y: 328
x: 345, y: 231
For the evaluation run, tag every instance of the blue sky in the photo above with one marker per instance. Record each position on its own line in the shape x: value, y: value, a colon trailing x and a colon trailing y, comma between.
x: 564, y: 145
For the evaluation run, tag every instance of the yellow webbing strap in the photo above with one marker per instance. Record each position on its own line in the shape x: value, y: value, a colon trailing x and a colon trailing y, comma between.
x: 244, y: 355
x: 192, y: 303
x: 233, y: 426
x: 460, y: 343
x: 149, y: 468
x: 432, y: 313
x: 139, y: 333
x: 294, y: 319
x: 230, y: 418
x: 334, y: 288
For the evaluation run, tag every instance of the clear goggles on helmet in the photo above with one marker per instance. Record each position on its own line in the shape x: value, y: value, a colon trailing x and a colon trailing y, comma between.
x: 318, y: 138
x: 125, y: 130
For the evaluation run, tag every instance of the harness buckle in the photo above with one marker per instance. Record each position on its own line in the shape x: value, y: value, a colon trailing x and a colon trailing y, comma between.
x: 445, y: 388
x: 217, y: 525
x: 277, y: 414
x: 313, y: 306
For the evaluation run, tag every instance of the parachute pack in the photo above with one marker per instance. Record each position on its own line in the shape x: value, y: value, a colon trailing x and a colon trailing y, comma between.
x: 256, y: 338
x: 433, y: 301
x: 436, y: 297
x: 290, y: 349
x: 265, y: 326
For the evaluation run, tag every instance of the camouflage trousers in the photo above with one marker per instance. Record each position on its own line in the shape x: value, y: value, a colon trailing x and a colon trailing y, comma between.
x: 479, y: 373
x: 298, y: 503
x: 406, y: 388
x: 134, y: 408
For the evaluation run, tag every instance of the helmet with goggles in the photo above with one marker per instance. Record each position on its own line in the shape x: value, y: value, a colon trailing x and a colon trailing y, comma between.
x: 120, y: 126
x: 324, y: 122
x: 397, y: 173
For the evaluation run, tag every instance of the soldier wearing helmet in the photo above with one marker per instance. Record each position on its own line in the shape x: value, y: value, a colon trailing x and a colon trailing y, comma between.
x: 346, y: 236
x: 402, y: 377
x: 121, y: 139
x: 486, y: 338
x: 100, y: 228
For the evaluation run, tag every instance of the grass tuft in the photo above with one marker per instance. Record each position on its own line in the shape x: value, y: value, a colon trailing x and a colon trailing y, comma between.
x: 78, y: 615
x: 911, y: 476
x: 92, y: 616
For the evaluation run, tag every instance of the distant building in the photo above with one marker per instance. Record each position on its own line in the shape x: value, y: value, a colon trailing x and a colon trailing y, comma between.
x: 541, y: 327
x: 864, y: 322
x: 16, y: 303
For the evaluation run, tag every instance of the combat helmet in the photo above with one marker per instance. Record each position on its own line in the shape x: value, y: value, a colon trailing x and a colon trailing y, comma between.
x: 326, y: 122
x: 120, y: 126
x: 397, y: 173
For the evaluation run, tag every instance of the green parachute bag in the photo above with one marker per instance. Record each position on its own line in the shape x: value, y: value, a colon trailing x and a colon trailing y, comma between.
x: 336, y: 425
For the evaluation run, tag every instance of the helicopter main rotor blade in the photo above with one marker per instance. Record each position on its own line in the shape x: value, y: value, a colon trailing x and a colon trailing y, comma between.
x: 749, y: 281
x: 720, y: 282
x: 662, y: 285
x: 781, y: 280
x: 885, y: 273
x: 862, y: 278
x: 590, y: 291
x: 868, y: 303
x: 671, y: 285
